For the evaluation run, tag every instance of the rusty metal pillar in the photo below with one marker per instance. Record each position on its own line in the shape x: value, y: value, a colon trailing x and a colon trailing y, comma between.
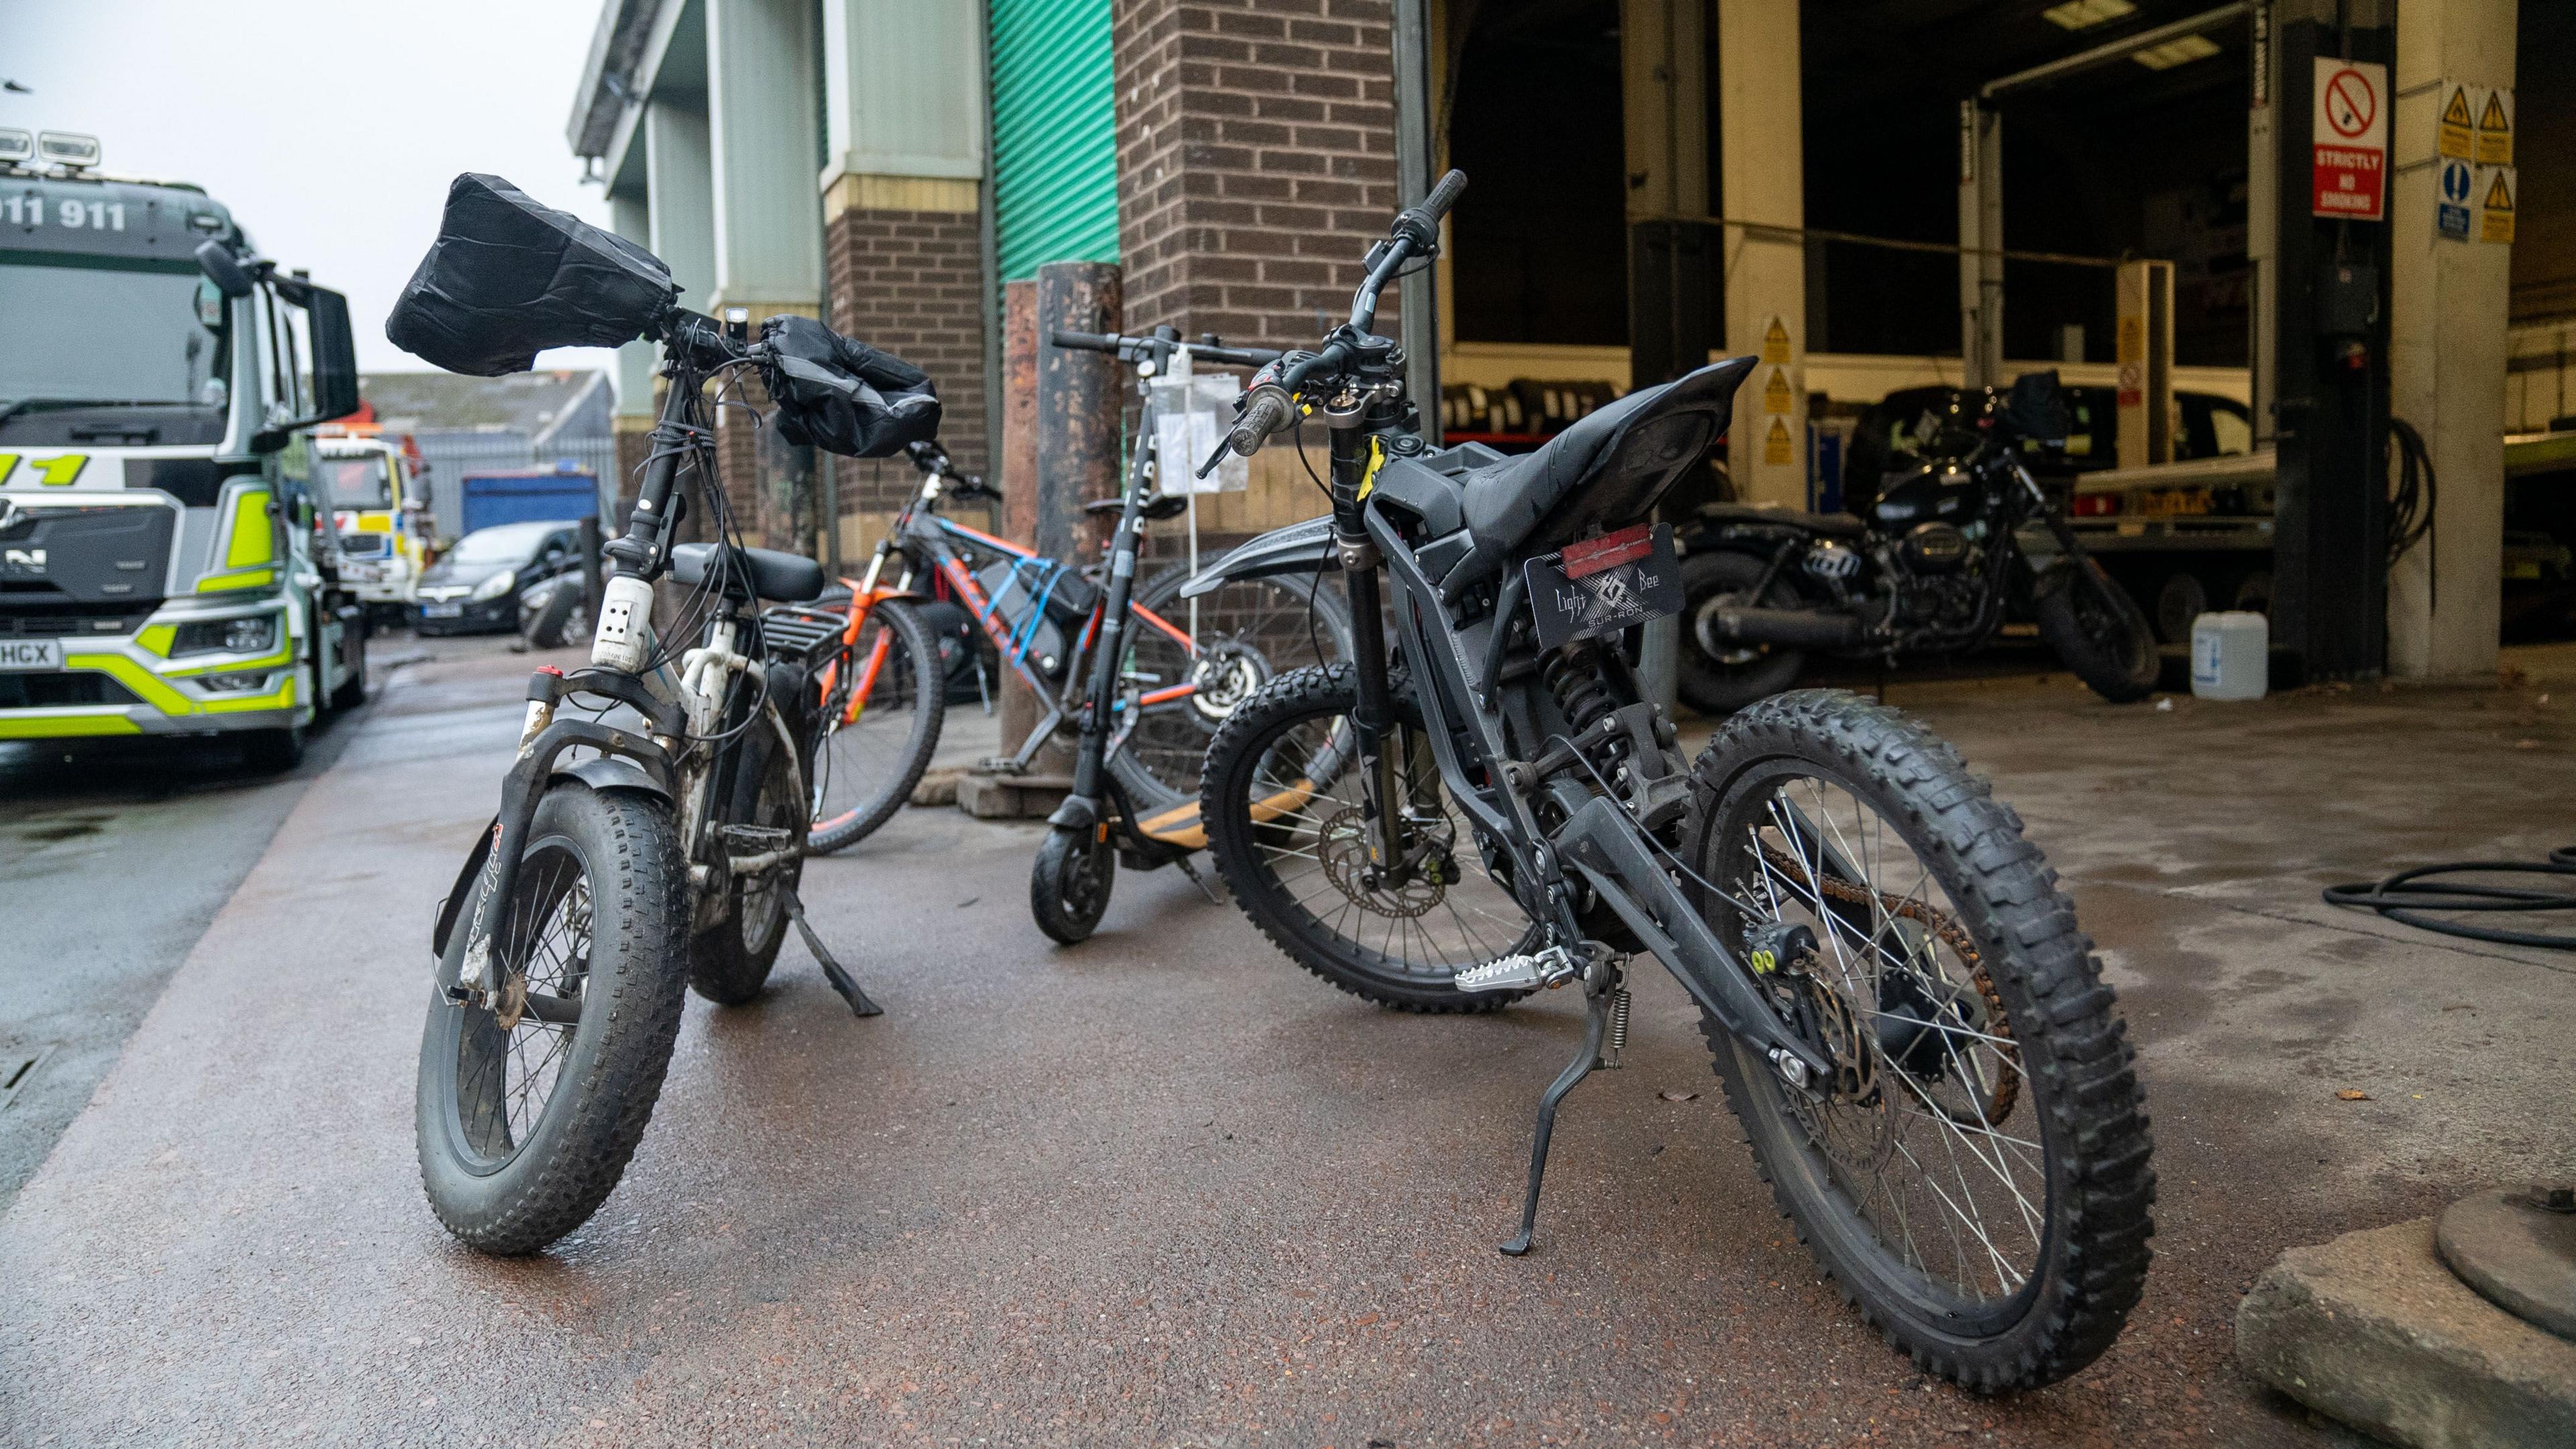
x: 1060, y: 449
x: 1018, y: 475
x: 1078, y: 406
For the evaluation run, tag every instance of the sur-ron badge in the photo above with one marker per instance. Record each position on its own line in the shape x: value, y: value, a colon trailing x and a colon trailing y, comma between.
x: 1603, y: 585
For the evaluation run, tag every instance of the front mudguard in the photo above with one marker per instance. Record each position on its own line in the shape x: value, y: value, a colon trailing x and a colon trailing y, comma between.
x: 1300, y: 548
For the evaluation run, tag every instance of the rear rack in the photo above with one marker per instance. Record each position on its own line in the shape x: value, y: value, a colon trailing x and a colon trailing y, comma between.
x: 800, y: 634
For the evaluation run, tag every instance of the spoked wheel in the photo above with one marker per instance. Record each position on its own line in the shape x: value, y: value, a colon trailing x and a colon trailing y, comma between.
x: 1247, y: 633
x: 1070, y: 883
x: 882, y: 702
x: 1974, y: 1172
x: 2101, y: 634
x: 530, y: 1102
x: 1287, y: 809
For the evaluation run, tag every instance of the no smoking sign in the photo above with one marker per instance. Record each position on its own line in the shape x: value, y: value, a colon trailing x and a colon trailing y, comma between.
x: 2350, y: 175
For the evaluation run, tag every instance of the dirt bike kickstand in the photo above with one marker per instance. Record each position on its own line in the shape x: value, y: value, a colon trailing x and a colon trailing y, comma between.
x: 841, y: 980
x: 1589, y: 1057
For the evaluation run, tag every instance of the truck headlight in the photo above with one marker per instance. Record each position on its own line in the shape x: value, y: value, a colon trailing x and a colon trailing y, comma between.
x: 495, y: 586
x: 256, y: 634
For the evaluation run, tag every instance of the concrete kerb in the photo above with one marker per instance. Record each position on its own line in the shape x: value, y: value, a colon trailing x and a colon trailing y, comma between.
x: 2374, y: 1330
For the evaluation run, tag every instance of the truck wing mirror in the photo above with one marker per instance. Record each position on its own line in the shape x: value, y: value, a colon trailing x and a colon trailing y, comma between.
x: 220, y: 265
x: 335, y: 356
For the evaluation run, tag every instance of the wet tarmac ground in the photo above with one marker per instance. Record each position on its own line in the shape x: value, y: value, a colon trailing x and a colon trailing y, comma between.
x: 1166, y: 1189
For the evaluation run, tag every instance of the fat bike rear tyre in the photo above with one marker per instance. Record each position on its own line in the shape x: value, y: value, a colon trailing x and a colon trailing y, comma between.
x: 2013, y: 1068
x: 603, y: 917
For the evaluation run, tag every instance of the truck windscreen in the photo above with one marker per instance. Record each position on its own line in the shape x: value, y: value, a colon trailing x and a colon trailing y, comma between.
x: 363, y: 482
x: 117, y: 334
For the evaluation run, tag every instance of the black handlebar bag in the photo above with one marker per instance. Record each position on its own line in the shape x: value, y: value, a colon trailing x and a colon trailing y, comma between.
x: 843, y: 396
x: 508, y: 278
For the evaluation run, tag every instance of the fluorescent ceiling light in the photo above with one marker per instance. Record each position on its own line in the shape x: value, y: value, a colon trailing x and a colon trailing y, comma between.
x: 2176, y: 52
x: 2078, y: 14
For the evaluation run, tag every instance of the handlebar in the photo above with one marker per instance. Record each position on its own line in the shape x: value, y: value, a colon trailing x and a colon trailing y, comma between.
x: 1269, y: 411
x: 1138, y: 349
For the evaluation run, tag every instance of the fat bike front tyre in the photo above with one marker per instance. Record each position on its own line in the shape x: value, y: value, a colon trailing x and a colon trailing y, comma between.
x: 1070, y: 882
x: 530, y: 1102
x: 1974, y: 1175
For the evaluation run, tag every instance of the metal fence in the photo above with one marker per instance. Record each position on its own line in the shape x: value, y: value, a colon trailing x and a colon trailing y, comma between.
x: 453, y: 455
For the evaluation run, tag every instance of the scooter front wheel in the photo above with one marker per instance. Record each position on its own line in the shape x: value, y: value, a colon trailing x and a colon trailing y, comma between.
x: 1070, y: 883
x: 531, y: 1101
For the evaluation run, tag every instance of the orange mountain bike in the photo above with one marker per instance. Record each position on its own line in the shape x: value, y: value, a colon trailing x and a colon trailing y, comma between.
x: 1178, y: 666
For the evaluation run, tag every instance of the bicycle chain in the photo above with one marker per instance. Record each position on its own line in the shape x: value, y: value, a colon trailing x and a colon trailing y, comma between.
x: 2007, y: 1088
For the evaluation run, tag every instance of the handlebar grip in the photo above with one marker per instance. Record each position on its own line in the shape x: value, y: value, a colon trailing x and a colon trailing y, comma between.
x: 1086, y: 341
x: 1443, y: 196
x: 1269, y: 411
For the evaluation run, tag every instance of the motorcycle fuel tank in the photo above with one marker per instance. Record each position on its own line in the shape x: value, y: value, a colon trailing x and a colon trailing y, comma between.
x: 1945, y: 493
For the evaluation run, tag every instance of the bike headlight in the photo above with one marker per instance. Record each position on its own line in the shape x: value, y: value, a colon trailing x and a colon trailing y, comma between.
x: 495, y: 586
x: 253, y: 635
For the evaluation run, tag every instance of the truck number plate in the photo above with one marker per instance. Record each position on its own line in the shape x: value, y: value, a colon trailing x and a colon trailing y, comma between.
x: 19, y: 656
x: 1605, y: 585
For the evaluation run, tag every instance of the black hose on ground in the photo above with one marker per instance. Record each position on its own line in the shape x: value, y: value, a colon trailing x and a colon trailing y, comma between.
x: 2405, y: 896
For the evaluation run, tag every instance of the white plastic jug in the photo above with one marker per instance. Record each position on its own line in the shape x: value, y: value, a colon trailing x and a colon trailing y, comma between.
x: 2230, y: 655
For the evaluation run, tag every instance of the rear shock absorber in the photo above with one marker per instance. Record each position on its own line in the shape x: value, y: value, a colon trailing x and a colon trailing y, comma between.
x: 1574, y: 675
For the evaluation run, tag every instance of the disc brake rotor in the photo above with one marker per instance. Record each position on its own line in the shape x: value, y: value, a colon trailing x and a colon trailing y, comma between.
x: 1343, y: 845
x: 1225, y: 674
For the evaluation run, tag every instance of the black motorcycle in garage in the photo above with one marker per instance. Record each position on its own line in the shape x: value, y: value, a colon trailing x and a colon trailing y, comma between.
x: 1943, y: 556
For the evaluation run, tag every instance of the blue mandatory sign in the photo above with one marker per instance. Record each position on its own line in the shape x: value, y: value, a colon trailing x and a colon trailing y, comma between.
x: 2451, y: 213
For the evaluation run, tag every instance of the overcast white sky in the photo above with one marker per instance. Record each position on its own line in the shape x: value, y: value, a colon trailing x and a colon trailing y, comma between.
x: 330, y: 127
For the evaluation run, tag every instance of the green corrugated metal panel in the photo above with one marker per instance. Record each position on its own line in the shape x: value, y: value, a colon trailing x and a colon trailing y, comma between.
x: 1055, y: 149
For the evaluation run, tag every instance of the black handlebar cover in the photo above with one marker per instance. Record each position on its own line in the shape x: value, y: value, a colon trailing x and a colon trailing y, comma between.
x: 1420, y: 225
x: 508, y: 278
x: 842, y: 395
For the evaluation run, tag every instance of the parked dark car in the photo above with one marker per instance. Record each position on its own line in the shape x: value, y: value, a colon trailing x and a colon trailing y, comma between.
x: 474, y: 587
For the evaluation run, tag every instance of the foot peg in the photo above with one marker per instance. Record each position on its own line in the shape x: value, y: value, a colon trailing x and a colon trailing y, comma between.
x: 841, y: 980
x: 1551, y: 967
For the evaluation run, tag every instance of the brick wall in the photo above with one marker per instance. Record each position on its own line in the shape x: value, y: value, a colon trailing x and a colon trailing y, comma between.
x: 1256, y: 161
x: 910, y: 283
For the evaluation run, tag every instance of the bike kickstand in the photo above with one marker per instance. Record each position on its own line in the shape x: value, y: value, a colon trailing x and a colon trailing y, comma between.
x: 1589, y: 1057
x: 1198, y: 880
x: 841, y: 980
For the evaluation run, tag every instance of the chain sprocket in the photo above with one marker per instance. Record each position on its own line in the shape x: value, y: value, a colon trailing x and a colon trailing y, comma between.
x: 2007, y: 1086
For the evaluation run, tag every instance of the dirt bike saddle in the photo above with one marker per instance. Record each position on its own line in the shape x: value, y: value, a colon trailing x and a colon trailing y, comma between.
x: 1608, y: 468
x: 760, y: 573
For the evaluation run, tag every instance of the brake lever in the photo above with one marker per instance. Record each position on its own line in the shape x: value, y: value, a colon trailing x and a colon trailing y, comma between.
x: 1210, y: 466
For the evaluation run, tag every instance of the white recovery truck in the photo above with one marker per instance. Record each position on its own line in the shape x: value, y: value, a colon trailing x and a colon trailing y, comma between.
x: 164, y: 569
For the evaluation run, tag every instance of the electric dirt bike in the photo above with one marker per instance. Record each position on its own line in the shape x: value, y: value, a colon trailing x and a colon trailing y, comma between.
x: 652, y: 827
x: 1906, y: 1020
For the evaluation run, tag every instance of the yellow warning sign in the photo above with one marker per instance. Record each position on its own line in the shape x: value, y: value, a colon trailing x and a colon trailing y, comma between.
x: 1775, y: 444
x: 2496, y: 224
x: 1775, y: 341
x: 1776, y: 397
x: 2457, y: 124
x: 2495, y: 129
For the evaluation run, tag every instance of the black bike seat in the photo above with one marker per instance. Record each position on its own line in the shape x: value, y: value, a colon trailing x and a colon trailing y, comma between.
x: 769, y: 574
x: 1166, y: 506
x: 1608, y: 468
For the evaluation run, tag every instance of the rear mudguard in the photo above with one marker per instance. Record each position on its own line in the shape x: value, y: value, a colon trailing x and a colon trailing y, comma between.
x: 1300, y: 548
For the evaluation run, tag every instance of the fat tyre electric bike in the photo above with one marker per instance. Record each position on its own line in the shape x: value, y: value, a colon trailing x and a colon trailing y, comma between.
x: 650, y: 839
x: 1908, y: 1023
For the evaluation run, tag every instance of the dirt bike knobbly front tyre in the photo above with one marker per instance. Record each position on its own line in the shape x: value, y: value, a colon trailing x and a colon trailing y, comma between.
x: 1974, y: 1174
x: 530, y: 1103
x: 1285, y: 802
